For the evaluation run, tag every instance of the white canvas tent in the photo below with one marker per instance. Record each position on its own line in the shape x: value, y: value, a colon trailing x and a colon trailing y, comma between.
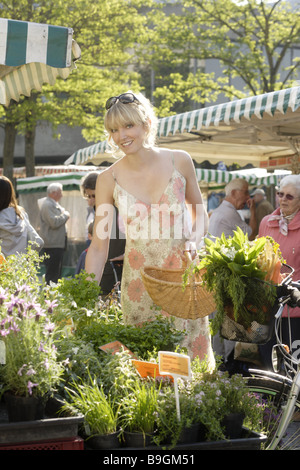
x: 263, y: 130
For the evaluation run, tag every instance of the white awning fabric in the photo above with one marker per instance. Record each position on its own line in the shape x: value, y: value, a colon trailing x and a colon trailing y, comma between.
x: 252, y: 130
x: 32, y: 54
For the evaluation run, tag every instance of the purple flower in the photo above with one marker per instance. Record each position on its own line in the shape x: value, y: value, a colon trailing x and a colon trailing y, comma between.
x: 41, y: 347
x: 3, y: 295
x: 30, y: 386
x: 20, y: 371
x: 31, y: 371
x: 49, y: 327
x: 51, y: 304
x: 14, y: 302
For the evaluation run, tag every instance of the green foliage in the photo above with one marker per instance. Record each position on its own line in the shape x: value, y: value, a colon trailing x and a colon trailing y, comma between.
x: 159, y: 334
x: 78, y: 299
x: 100, y: 411
x: 21, y: 269
x: 139, y: 407
x: 80, y: 359
x: 234, y: 276
x: 251, y: 40
x: 27, y: 328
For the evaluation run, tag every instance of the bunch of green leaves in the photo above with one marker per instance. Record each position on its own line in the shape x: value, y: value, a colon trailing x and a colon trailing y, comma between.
x: 80, y: 359
x: 100, y: 411
x: 78, y: 299
x: 169, y: 426
x: 159, y: 334
x: 231, y: 272
x: 139, y: 407
x: 29, y: 334
x: 236, y: 252
x: 22, y: 268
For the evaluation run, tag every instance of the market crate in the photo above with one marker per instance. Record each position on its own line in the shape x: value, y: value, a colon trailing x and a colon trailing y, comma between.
x: 58, y: 444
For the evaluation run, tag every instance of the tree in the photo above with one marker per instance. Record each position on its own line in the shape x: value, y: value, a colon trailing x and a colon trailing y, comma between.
x: 109, y: 32
x: 251, y: 40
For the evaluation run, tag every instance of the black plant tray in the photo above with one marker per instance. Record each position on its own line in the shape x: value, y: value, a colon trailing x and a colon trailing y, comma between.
x: 47, y: 429
x: 249, y: 440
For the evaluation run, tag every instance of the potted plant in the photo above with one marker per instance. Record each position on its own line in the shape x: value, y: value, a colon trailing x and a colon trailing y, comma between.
x: 100, y: 411
x: 172, y: 430
x: 242, y: 275
x: 224, y: 405
x: 139, y: 412
x: 31, y: 370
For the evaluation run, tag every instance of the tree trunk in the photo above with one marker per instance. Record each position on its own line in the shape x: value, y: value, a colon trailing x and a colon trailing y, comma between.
x: 29, y: 151
x: 8, y: 149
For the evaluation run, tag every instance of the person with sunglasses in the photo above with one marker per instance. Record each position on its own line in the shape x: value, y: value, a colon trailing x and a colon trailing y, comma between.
x: 160, y: 203
x: 283, y: 225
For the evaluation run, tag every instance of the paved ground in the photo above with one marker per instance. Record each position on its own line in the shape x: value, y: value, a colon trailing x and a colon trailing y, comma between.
x: 292, y: 439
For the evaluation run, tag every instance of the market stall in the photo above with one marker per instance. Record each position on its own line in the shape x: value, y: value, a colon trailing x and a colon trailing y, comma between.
x: 261, y: 130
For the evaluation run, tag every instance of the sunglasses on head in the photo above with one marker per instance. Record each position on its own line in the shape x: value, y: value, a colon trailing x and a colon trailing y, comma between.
x: 125, y: 98
x: 289, y: 197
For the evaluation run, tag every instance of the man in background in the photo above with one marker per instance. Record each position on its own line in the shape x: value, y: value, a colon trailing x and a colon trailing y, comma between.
x: 53, y: 218
x: 263, y: 206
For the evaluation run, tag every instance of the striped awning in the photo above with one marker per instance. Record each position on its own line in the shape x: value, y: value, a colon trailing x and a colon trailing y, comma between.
x: 242, y: 131
x: 72, y: 179
x: 270, y: 104
x: 32, y: 54
x: 34, y: 184
x: 221, y: 178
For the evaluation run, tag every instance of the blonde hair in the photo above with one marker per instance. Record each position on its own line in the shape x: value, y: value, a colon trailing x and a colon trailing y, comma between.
x: 120, y: 115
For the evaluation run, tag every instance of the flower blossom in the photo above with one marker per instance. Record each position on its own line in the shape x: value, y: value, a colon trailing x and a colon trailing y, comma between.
x: 51, y: 305
x: 30, y: 386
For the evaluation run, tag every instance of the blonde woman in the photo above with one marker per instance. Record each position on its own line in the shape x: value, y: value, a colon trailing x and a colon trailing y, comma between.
x: 159, y: 200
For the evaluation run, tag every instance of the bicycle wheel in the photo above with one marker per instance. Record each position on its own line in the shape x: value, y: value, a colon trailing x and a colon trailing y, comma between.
x: 272, y: 394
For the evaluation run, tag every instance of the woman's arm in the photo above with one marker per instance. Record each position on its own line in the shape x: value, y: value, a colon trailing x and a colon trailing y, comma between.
x: 193, y: 198
x: 98, y: 250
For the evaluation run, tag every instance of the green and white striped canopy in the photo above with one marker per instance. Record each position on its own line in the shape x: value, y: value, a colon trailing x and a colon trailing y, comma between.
x: 72, y: 180
x: 32, y: 54
x: 243, y: 131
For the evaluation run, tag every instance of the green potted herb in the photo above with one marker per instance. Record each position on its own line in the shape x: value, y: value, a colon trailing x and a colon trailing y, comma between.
x: 172, y: 430
x: 223, y: 400
x: 139, y: 412
x: 100, y: 411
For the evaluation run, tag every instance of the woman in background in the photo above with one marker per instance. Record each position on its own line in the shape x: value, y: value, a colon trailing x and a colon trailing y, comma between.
x: 283, y: 225
x: 15, y: 228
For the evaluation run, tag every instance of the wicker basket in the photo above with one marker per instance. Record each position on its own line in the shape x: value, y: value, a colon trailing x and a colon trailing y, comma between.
x: 165, y: 287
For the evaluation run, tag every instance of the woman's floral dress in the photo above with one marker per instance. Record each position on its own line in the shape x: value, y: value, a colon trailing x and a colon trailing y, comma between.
x: 155, y: 235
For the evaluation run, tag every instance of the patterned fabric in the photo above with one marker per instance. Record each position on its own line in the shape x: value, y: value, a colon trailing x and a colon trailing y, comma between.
x: 155, y: 235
